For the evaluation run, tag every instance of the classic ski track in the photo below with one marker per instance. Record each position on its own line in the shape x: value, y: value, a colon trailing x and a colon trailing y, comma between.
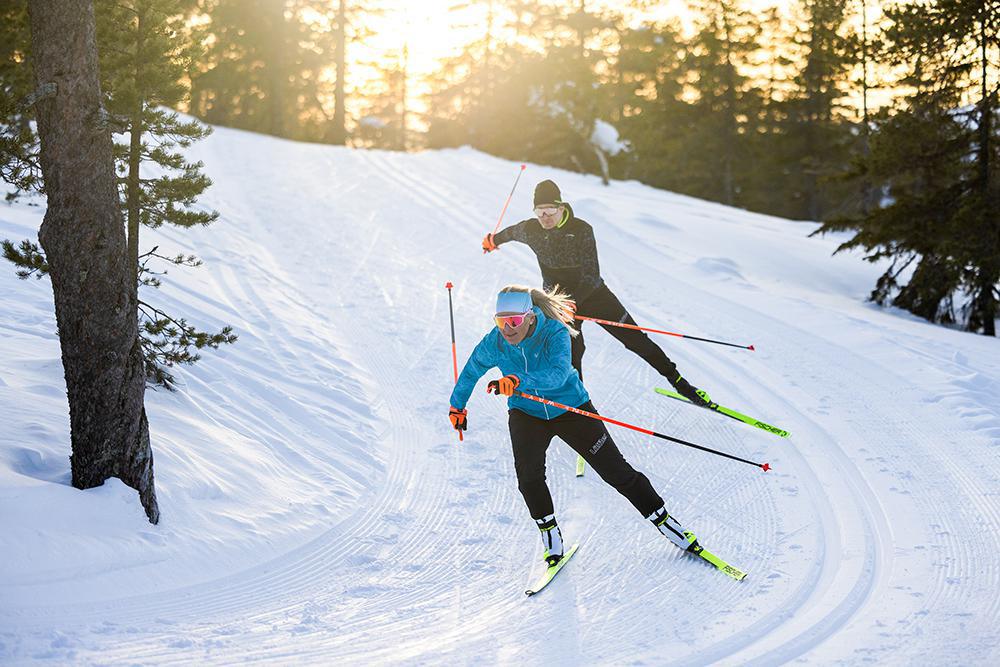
x: 405, y: 431
x: 861, y: 593
x: 864, y: 500
x: 667, y: 581
x: 297, y: 612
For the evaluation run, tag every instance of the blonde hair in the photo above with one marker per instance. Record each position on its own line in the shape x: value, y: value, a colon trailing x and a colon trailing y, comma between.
x: 554, y: 303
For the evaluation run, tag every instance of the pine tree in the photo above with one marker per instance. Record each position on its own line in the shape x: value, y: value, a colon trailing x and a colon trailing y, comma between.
x: 727, y: 103
x: 83, y: 237
x: 937, y: 156
x: 383, y: 123
x: 18, y: 144
x: 143, y: 63
x: 143, y: 58
x: 263, y: 65
x: 648, y: 96
x: 817, y: 135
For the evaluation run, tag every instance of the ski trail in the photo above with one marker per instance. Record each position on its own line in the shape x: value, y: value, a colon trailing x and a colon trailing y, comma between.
x: 427, y: 547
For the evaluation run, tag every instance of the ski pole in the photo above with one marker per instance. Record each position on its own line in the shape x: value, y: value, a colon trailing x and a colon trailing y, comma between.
x: 593, y: 415
x: 506, y: 203
x: 454, y: 353
x: 659, y: 331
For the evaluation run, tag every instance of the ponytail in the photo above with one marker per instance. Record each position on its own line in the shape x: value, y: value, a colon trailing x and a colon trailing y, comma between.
x: 554, y: 303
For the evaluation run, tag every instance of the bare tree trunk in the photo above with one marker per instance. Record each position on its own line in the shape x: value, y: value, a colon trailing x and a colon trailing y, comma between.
x: 276, y: 73
x: 135, y: 155
x: 83, y: 236
x: 988, y: 270
x: 338, y: 133
x: 404, y: 75
x: 728, y: 158
x: 867, y: 203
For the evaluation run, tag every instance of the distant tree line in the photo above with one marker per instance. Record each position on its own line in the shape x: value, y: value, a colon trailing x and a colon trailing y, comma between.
x: 769, y: 112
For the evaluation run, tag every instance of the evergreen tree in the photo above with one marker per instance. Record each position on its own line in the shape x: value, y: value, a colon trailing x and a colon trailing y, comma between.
x: 143, y: 58
x: 726, y: 104
x: 348, y: 26
x: 648, y: 96
x: 937, y: 156
x: 143, y: 63
x: 84, y: 241
x: 18, y: 144
x: 475, y: 96
x: 263, y: 65
x: 818, y: 138
x: 383, y: 123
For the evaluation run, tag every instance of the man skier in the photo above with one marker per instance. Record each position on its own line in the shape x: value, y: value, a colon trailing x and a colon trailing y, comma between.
x: 530, y: 344
x: 567, y: 256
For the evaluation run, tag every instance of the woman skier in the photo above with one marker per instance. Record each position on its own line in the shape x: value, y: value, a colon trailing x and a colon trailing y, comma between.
x: 567, y: 256
x: 530, y: 344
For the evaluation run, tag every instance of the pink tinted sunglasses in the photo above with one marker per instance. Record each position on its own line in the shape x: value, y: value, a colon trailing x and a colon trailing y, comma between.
x: 512, y: 321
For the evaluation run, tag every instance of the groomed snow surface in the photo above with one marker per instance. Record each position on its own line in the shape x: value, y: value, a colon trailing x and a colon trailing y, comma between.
x: 318, y: 509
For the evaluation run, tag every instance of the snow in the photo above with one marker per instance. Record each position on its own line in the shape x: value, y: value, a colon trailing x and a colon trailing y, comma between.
x: 605, y: 137
x: 318, y: 509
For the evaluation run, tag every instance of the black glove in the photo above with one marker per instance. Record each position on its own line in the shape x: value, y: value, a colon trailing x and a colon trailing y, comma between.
x: 692, y: 393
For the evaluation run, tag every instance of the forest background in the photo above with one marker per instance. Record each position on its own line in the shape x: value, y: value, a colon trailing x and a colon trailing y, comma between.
x: 873, y: 117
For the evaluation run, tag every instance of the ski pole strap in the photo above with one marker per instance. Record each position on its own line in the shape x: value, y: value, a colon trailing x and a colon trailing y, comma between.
x: 593, y: 415
x: 636, y: 327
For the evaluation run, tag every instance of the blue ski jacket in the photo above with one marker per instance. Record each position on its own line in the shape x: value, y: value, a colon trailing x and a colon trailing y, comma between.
x: 541, y: 362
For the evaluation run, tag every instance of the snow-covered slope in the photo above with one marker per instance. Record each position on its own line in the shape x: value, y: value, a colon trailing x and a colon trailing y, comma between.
x: 317, y: 508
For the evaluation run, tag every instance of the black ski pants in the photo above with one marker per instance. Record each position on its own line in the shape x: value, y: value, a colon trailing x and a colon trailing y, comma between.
x: 530, y: 438
x: 604, y: 305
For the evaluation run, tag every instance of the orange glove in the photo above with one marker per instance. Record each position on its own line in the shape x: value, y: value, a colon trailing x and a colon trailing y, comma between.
x: 459, y: 419
x: 488, y: 244
x: 505, y: 385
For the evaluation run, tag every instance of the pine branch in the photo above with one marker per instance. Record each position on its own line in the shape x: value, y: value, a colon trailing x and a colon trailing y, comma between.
x: 28, y: 256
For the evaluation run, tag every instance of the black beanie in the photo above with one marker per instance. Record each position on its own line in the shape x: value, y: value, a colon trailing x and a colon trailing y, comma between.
x: 547, y: 192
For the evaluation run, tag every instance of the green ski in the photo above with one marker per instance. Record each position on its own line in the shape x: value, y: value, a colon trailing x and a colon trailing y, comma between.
x: 581, y: 465
x: 721, y: 565
x: 551, y: 572
x: 781, y: 433
x: 704, y: 554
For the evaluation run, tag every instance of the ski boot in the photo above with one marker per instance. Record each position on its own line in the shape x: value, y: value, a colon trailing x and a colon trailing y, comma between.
x: 551, y: 539
x: 668, y: 525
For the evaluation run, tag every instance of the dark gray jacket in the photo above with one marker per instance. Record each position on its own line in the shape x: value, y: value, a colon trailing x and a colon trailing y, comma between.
x: 567, y: 255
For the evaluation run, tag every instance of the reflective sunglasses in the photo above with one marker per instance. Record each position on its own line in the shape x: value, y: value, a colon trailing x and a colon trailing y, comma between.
x: 546, y: 210
x: 512, y: 321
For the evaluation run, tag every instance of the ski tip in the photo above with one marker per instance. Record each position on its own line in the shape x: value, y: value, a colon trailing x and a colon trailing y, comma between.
x: 448, y: 285
x: 766, y: 467
x: 751, y: 348
x: 523, y: 167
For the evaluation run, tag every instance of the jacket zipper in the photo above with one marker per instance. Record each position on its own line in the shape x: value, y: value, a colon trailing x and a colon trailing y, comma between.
x: 544, y: 407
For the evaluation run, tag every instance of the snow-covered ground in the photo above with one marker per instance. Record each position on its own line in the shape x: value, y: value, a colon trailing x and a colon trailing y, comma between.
x: 317, y: 507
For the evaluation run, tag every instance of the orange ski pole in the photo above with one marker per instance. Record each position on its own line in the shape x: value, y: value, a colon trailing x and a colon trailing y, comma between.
x: 593, y: 415
x: 660, y: 331
x: 454, y: 353
x: 506, y: 203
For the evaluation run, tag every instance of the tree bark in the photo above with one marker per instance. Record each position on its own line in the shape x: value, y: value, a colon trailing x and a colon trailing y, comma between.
x: 83, y: 236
